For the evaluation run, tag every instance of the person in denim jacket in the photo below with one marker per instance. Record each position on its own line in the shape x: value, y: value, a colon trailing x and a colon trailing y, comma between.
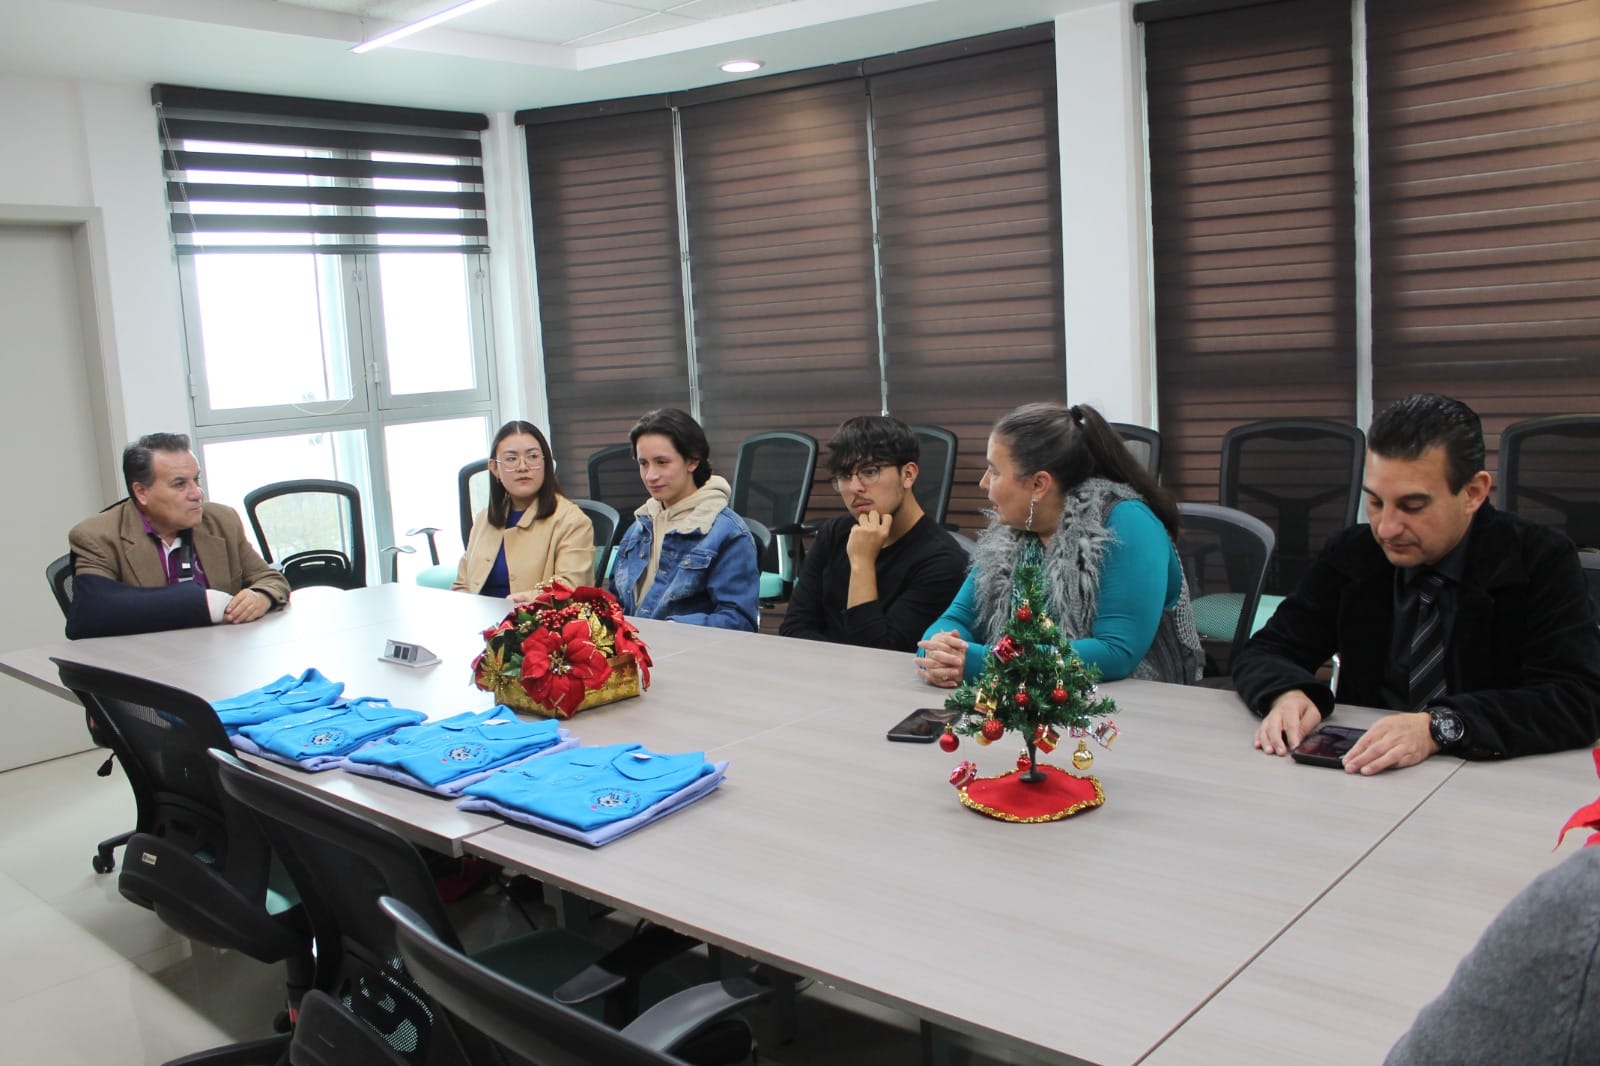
x: 687, y: 557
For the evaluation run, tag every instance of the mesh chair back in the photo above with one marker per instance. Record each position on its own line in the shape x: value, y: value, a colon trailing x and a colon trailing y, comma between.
x: 196, y: 858
x: 1550, y: 473
x: 472, y: 490
x: 607, y: 532
x: 772, y: 484
x: 614, y: 480
x: 530, y: 1027
x: 936, y: 469
x: 1225, y: 554
x: 1144, y: 443
x: 1300, y: 476
x: 59, y: 576
x: 312, y: 528
x: 356, y: 953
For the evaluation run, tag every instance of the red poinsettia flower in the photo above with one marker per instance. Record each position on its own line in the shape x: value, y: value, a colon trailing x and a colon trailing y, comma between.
x: 559, y: 667
x: 628, y: 643
x: 1585, y: 817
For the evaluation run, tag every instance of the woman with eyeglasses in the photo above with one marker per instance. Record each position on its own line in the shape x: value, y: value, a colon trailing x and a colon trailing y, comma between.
x: 1070, y: 499
x: 687, y: 557
x: 530, y: 532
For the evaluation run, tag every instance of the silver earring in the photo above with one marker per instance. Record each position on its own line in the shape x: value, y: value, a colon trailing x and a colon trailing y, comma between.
x: 1031, y: 505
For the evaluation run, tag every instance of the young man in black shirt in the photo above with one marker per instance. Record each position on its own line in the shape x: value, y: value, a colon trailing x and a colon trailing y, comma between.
x: 878, y: 576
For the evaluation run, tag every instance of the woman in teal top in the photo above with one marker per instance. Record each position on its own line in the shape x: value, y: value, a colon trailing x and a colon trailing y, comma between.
x: 1069, y: 498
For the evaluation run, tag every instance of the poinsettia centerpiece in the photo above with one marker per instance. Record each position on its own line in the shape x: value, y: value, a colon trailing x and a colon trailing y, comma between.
x: 564, y: 651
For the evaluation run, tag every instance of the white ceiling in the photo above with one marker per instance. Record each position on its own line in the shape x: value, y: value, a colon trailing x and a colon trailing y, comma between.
x: 512, y: 54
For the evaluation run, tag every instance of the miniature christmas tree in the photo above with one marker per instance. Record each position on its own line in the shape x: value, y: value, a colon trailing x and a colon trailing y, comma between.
x: 1032, y: 682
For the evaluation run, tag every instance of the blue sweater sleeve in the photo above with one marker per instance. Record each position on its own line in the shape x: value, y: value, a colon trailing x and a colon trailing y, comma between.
x: 1134, y: 578
x: 962, y: 616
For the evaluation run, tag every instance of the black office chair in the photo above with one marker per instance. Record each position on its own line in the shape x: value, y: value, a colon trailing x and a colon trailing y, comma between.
x: 1302, y: 477
x: 343, y: 863
x: 936, y: 470
x: 1550, y: 473
x: 1591, y: 575
x: 1144, y: 443
x: 59, y: 576
x: 1225, y: 554
x: 316, y: 537
x: 536, y: 1029
x: 472, y: 495
x: 196, y: 858
x: 614, y: 480
x: 607, y: 532
x: 772, y: 483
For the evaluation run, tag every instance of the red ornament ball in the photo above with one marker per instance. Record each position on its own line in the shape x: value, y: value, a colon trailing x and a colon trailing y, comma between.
x: 949, y: 741
x: 993, y: 729
x: 1024, y: 613
x: 1058, y: 695
x: 1023, y: 762
x: 1021, y: 698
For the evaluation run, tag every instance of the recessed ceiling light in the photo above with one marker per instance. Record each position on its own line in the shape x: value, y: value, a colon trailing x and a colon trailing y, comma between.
x: 742, y: 66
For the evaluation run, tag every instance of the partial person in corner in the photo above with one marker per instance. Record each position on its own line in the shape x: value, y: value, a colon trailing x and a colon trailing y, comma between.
x: 164, y: 558
x: 1473, y: 624
x: 529, y: 533
x: 879, y: 575
x: 687, y: 557
x: 1069, y: 498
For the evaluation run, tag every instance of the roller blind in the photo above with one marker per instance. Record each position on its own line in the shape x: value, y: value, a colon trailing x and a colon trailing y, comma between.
x: 1485, y: 128
x: 970, y: 219
x: 252, y: 172
x: 605, y: 232
x: 1252, y: 219
x: 780, y: 250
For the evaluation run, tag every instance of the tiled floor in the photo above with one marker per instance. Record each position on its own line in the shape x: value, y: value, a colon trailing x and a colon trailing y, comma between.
x: 87, y: 977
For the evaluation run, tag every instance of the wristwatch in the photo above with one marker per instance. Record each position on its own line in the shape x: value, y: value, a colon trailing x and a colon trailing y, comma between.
x: 1446, y: 727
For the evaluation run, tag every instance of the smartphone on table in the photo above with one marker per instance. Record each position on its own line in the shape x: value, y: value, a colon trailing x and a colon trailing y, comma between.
x: 922, y: 726
x: 1327, y: 746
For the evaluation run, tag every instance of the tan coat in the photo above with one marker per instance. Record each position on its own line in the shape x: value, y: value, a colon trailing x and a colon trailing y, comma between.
x: 114, y: 544
x: 536, y: 550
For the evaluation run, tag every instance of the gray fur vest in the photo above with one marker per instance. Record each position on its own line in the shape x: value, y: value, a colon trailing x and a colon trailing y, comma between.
x: 1071, y: 573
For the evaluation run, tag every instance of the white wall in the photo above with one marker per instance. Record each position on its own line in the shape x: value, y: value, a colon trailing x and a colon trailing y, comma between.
x: 93, y: 145
x: 1099, y: 96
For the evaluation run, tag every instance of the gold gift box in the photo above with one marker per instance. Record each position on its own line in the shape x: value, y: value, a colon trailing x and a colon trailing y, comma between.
x: 621, y: 685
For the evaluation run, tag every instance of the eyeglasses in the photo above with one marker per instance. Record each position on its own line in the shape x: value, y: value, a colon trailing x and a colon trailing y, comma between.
x: 867, y: 474
x: 513, y: 461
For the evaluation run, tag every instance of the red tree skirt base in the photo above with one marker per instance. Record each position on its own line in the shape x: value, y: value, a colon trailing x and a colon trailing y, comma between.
x: 1010, y: 799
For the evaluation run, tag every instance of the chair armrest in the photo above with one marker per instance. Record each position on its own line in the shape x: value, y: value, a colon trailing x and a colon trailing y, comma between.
x: 624, y: 965
x: 433, y: 545
x: 680, y: 1016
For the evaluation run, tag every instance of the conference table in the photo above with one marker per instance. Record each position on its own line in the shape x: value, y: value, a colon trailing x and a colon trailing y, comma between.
x: 1221, y: 905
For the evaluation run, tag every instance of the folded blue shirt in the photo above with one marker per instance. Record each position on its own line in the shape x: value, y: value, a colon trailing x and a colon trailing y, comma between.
x: 283, y: 696
x: 435, y: 754
x: 318, y: 739
x: 596, y: 794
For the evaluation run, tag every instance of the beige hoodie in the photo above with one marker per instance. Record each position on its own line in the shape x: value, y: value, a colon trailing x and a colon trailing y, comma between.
x: 692, y: 514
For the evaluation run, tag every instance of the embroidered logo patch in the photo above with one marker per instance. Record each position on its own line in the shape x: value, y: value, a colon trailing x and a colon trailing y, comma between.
x: 614, y: 799
x: 328, y: 738
x: 464, y: 753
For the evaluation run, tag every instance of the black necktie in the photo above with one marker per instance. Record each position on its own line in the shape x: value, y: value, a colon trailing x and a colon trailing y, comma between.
x: 1427, y: 645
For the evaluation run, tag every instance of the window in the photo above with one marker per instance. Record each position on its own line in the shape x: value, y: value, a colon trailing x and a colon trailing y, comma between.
x: 333, y: 269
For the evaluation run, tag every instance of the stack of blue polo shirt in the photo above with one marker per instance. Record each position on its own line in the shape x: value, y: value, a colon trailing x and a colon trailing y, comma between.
x: 595, y: 795
x: 320, y: 738
x: 283, y: 696
x: 446, y: 756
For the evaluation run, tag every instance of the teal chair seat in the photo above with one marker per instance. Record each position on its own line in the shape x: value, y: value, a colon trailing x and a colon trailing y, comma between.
x: 437, y: 577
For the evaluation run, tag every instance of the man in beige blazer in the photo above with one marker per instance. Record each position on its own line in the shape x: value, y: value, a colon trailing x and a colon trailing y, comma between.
x: 165, y: 535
